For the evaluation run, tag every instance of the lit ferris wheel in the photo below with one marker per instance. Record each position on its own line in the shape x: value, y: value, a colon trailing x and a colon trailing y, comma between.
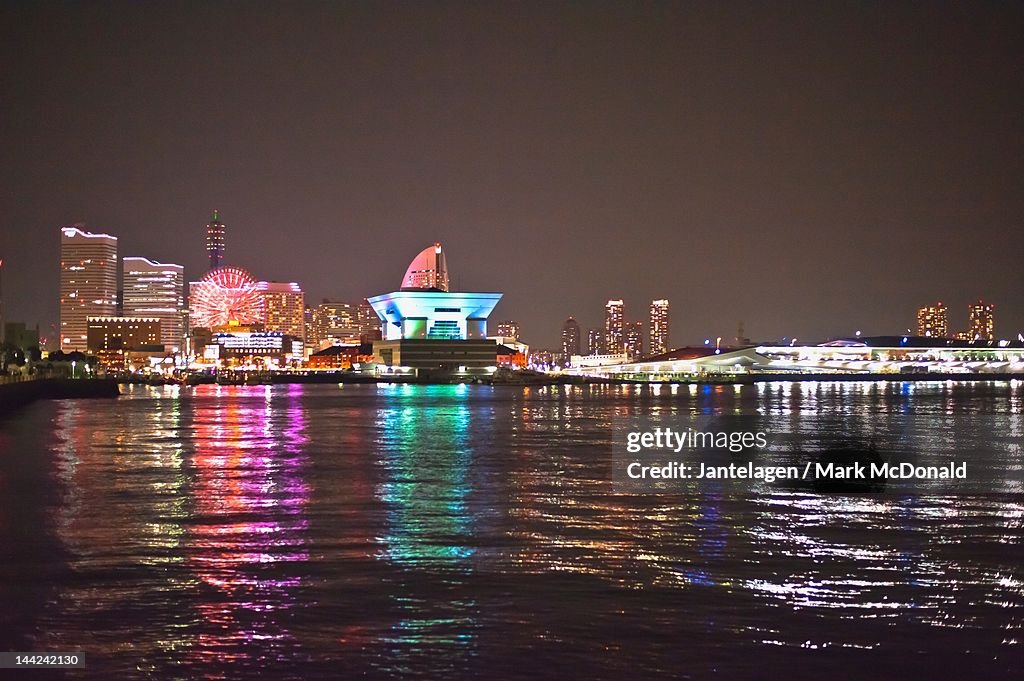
x: 223, y: 295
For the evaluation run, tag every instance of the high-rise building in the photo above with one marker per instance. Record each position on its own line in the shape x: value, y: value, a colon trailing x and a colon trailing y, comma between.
x: 156, y: 290
x: 981, y: 321
x: 932, y: 321
x: 633, y: 339
x: 570, y: 339
x: 428, y: 271
x: 614, y: 327
x: 215, y: 241
x: 337, y: 322
x: 659, y: 327
x: 595, y: 342
x: 283, y: 308
x: 368, y: 322
x: 88, y: 283
x: 508, y: 329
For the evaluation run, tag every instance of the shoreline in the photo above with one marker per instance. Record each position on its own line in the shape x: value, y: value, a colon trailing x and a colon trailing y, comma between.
x: 14, y: 396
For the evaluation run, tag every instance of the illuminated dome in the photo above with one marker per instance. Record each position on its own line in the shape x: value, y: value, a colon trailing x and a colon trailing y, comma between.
x: 225, y: 294
x: 427, y: 271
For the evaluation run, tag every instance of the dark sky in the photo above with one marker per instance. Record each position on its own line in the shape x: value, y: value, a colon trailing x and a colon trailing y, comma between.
x: 807, y: 168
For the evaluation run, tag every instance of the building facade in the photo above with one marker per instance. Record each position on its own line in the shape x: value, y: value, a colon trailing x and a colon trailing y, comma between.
x: 614, y: 327
x: 933, y: 321
x: 981, y: 321
x: 595, y: 342
x: 633, y: 345
x: 124, y: 333
x: 659, y: 327
x: 283, y: 308
x: 156, y: 290
x: 88, y: 284
x: 570, y: 339
x: 509, y: 329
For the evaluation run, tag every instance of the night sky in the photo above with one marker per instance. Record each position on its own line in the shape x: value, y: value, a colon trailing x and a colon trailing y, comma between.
x: 807, y: 168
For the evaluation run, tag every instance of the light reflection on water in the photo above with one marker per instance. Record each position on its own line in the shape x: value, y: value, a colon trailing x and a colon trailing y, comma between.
x: 448, y: 531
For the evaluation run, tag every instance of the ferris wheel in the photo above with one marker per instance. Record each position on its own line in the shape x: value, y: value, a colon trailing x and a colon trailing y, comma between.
x: 223, y: 295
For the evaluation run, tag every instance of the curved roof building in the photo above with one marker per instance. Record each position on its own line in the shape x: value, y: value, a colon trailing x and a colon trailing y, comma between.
x: 424, y: 308
x: 428, y: 271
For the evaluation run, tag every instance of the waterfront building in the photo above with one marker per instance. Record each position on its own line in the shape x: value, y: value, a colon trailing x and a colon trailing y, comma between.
x: 541, y: 359
x: 659, y: 327
x: 633, y: 343
x: 241, y: 346
x: 428, y: 328
x: 341, y: 357
x: 981, y: 321
x: 933, y: 321
x: 124, y: 333
x: 508, y: 329
x: 595, y: 342
x: 88, y: 283
x: 215, y: 241
x: 283, y: 308
x: 570, y: 339
x: 337, y: 322
x: 154, y: 289
x: 614, y: 327
x: 846, y: 357
x: 225, y: 295
x: 511, y: 357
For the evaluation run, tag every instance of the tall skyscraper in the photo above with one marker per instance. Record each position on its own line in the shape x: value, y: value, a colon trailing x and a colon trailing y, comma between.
x: 595, y: 342
x: 156, y: 289
x: 659, y: 326
x: 508, y: 329
x: 981, y: 321
x: 215, y: 241
x: 614, y: 327
x: 283, y: 307
x: 570, y: 339
x: 932, y: 321
x: 633, y: 339
x: 88, y: 283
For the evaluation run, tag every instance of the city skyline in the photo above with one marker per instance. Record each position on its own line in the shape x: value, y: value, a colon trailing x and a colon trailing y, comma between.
x: 809, y: 176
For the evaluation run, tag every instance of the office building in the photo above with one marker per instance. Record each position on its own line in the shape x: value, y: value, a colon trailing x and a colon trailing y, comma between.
x: 283, y: 308
x: 156, y: 290
x: 88, y: 283
x: 659, y: 327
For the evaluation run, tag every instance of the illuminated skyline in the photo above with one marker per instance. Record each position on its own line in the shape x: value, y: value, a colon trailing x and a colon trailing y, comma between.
x: 810, y: 173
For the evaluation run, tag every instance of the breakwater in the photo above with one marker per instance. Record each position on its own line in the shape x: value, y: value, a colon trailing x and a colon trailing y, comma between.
x: 16, y: 395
